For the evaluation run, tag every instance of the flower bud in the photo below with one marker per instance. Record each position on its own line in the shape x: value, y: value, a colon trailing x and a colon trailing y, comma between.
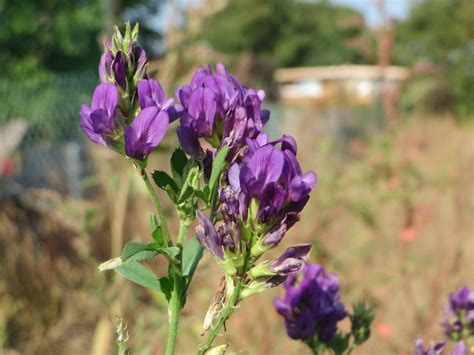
x: 292, y: 260
x: 361, y: 320
x: 270, y: 240
x: 207, y: 236
x: 123, y: 64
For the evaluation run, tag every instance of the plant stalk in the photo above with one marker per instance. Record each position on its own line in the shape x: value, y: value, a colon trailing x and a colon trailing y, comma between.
x: 174, y: 308
x: 157, y: 205
x: 175, y: 301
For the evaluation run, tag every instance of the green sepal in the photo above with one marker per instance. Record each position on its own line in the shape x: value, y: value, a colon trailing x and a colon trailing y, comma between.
x: 258, y: 248
x: 260, y: 270
x: 253, y: 211
x: 228, y: 266
x: 127, y: 38
x: 135, y: 31
x: 253, y: 287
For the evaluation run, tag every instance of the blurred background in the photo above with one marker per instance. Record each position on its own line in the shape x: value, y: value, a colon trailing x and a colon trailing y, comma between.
x: 379, y: 95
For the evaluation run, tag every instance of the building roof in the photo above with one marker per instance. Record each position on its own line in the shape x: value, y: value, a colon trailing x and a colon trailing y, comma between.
x: 340, y: 72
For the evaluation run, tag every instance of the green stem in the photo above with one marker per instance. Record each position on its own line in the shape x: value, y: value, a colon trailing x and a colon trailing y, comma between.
x: 183, y: 230
x: 159, y: 210
x: 174, y: 308
x: 175, y: 301
x: 226, y: 312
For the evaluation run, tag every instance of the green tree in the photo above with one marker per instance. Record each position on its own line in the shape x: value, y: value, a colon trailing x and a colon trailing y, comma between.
x: 48, y: 35
x: 442, y: 32
x: 292, y: 33
x: 63, y: 35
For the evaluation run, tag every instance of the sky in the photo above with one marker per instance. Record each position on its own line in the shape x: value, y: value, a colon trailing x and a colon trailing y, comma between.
x: 395, y: 8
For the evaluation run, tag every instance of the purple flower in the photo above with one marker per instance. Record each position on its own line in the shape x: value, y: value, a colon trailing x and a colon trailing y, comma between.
x: 200, y: 113
x: 98, y: 119
x: 311, y: 306
x: 150, y: 93
x: 435, y: 349
x: 145, y: 132
x: 460, y: 314
x: 270, y: 173
x: 216, y: 107
x: 189, y: 141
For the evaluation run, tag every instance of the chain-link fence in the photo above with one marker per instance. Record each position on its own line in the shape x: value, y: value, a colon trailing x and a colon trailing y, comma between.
x: 50, y: 153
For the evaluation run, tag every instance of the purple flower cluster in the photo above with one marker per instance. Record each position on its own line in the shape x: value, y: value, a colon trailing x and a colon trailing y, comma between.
x: 265, y: 191
x: 110, y: 120
x: 458, y: 325
x: 216, y: 107
x: 263, y: 188
x: 459, y: 322
x: 311, y: 305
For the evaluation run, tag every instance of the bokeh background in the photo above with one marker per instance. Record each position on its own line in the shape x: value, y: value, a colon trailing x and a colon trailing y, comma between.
x: 379, y: 95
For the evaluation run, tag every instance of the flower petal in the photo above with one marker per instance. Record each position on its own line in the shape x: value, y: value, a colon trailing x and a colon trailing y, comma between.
x: 207, y: 235
x: 105, y: 97
x: 87, y: 128
x: 145, y: 132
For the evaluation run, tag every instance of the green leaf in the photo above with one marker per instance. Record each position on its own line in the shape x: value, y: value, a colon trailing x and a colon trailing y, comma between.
x: 157, y: 231
x: 134, y: 250
x: 157, y: 235
x: 172, y: 252
x: 192, y: 253
x: 166, y: 182
x: 203, y: 194
x: 162, y: 180
x: 166, y: 285
x: 178, y: 165
x: 136, y: 272
x: 187, y: 193
x: 217, y: 167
